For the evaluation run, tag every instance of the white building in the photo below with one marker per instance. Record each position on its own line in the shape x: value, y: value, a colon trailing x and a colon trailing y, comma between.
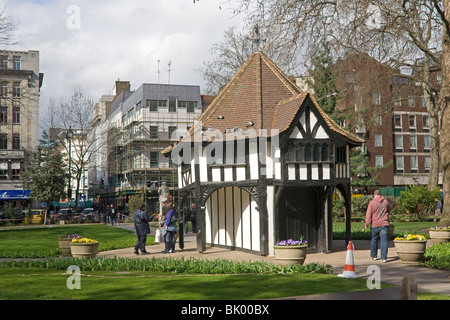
x: 262, y: 163
x: 20, y: 83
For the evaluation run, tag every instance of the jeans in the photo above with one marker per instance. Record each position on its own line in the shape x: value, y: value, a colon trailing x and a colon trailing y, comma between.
x: 380, y: 233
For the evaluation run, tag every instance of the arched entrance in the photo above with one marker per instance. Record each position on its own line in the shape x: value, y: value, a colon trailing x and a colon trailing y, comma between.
x: 232, y: 219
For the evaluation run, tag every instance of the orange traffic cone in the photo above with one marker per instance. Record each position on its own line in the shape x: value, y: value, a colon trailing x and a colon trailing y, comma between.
x: 349, y: 269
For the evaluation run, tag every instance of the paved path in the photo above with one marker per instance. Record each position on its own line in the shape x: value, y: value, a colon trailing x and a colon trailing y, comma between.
x: 427, y: 279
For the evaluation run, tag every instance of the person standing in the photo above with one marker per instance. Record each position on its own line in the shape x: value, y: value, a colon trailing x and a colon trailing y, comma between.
x: 377, y: 216
x: 438, y: 211
x: 170, y: 227
x: 112, y: 215
x: 193, y: 218
x: 141, y: 220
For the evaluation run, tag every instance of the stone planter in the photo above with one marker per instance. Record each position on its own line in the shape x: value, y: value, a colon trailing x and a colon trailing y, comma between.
x: 439, y: 235
x: 84, y: 250
x: 64, y: 245
x: 410, y: 251
x: 287, y: 255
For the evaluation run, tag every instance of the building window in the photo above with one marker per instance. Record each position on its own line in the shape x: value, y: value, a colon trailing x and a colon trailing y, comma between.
x: 378, y: 160
x: 3, y: 171
x: 4, y: 62
x: 155, y: 104
x: 413, y: 164
x: 413, y: 143
x: 307, y: 153
x: 426, y: 143
x: 427, y: 163
x: 16, y: 90
x: 16, y: 63
x: 378, y: 140
x: 412, y: 122
x: 377, y: 120
x: 3, y: 115
x: 172, y: 129
x: 154, y: 159
x: 400, y: 164
x: 16, y: 115
x: 15, y: 171
x: 398, y: 143
x: 172, y: 104
x: 397, y: 97
x: 398, y: 121
x: 154, y: 132
x: 424, y: 102
x: 138, y: 106
x: 192, y: 105
x: 16, y: 141
x: 376, y: 98
x: 3, y: 141
x: 4, y: 89
x: 411, y: 100
x: 426, y: 122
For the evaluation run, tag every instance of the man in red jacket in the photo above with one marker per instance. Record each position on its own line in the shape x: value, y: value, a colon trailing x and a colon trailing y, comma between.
x: 377, y: 216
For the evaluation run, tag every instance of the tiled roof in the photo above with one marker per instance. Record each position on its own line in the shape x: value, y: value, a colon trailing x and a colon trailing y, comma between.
x: 259, y: 93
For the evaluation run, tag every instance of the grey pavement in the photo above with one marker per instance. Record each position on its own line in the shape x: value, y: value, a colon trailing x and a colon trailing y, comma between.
x: 427, y: 279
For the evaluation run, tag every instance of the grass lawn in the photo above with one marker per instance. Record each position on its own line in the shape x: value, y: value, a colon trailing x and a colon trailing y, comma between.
x: 43, y: 241
x: 34, y: 283
x: 400, y: 228
x: 31, y: 283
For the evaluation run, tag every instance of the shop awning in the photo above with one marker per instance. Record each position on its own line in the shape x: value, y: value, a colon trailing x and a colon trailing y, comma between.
x: 14, y: 194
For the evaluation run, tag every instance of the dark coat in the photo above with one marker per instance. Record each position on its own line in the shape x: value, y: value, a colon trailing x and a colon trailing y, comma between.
x: 141, y: 220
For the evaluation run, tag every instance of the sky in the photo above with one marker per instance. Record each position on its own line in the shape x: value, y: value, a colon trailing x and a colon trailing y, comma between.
x: 89, y: 44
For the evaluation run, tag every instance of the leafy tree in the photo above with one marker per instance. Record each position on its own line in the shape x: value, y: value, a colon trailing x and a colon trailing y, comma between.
x: 46, y: 175
x: 325, y: 77
x: 359, y: 168
x: 419, y: 201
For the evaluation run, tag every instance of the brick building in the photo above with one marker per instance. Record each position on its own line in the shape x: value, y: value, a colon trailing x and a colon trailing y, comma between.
x: 389, y: 111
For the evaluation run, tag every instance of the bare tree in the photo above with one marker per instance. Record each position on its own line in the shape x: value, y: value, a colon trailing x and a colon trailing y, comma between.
x: 77, y: 137
x: 230, y: 54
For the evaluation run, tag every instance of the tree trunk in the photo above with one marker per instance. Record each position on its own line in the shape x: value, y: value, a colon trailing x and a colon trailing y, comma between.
x: 433, y: 110
x: 445, y: 133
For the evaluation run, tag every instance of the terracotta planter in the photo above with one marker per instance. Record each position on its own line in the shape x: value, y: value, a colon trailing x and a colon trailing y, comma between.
x: 84, y: 250
x: 287, y: 255
x: 64, y: 245
x: 439, y: 235
x: 411, y: 251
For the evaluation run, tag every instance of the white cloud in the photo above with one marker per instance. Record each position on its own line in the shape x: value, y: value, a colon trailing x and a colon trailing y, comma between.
x: 118, y: 39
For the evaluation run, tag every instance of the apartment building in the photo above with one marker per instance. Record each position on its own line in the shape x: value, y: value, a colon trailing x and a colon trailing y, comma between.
x: 139, y: 125
x: 20, y: 83
x: 389, y: 111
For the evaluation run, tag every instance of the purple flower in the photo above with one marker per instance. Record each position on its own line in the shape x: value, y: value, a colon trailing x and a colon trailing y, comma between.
x: 291, y: 242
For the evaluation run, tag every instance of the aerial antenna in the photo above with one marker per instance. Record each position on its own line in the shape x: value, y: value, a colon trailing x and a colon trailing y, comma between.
x: 158, y: 71
x: 170, y: 63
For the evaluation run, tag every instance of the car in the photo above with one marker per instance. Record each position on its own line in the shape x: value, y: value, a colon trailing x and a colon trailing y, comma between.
x: 37, y: 216
x: 88, y: 214
x: 64, y: 213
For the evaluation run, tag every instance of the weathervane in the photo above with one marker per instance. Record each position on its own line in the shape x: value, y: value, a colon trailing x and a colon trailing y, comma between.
x: 257, y: 40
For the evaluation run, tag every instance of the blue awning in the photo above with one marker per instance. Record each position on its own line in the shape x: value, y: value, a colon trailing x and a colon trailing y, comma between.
x: 14, y: 194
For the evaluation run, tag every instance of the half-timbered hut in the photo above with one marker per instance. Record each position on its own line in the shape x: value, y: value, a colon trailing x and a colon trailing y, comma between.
x: 262, y: 162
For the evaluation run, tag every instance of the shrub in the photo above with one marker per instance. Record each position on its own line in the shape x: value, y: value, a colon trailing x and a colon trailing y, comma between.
x: 418, y: 201
x: 438, y: 256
